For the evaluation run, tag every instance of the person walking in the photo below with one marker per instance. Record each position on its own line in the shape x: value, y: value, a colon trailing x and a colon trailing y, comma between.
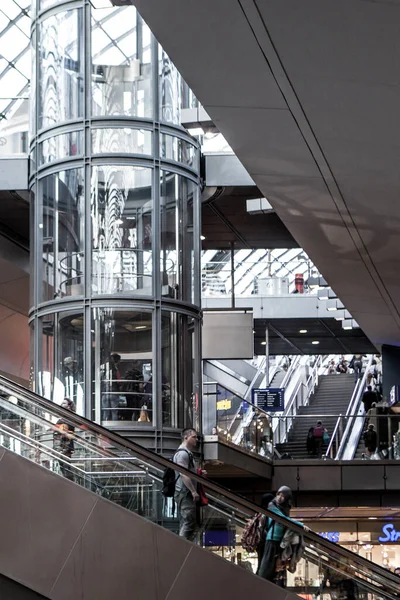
x: 369, y: 397
x: 274, y: 533
x: 186, y: 493
x: 370, y: 438
x: 319, y: 431
x: 63, y: 440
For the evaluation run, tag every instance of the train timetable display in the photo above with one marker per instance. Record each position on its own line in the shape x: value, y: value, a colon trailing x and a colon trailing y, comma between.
x: 269, y: 399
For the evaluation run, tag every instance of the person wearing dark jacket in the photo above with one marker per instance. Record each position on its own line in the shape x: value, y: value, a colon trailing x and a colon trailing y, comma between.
x: 265, y: 502
x: 370, y: 440
x: 274, y: 533
x: 63, y: 440
x: 369, y: 397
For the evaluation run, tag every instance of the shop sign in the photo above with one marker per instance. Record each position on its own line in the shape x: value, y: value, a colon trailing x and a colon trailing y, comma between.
x: 224, y: 404
x: 390, y: 534
x: 332, y: 536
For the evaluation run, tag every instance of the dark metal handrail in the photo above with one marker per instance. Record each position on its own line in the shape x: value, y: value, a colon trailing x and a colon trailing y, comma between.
x: 235, y: 501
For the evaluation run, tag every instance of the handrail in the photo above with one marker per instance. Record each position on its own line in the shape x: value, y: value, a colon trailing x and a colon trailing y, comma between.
x: 353, y: 404
x: 159, y: 462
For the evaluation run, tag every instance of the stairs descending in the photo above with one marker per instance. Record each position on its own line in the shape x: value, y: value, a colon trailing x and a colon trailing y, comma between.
x: 331, y: 397
x: 278, y: 378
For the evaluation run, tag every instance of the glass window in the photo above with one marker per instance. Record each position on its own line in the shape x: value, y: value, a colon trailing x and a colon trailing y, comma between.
x: 177, y: 241
x: 60, y: 235
x: 122, y: 347
x: 170, y: 90
x: 69, y: 371
x: 121, y: 140
x: 61, y: 146
x: 172, y: 369
x: 180, y: 150
x: 121, y: 58
x: 121, y: 213
x: 45, y: 376
x: 61, y: 78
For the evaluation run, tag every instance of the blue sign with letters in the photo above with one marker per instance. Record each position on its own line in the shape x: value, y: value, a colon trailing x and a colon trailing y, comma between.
x: 269, y: 399
x: 332, y: 536
x: 390, y: 534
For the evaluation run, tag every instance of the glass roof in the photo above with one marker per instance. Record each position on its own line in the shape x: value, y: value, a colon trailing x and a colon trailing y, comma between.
x: 15, y: 64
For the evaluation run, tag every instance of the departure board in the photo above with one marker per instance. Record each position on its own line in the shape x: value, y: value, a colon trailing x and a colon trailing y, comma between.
x: 269, y: 399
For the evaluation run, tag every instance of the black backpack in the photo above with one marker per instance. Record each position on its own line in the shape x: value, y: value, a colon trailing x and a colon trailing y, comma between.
x: 169, y: 478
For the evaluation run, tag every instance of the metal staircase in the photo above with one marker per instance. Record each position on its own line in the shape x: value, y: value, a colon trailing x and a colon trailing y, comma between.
x: 332, y: 397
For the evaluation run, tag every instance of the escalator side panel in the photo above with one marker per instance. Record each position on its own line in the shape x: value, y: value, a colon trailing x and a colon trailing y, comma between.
x: 65, y: 542
x: 11, y: 590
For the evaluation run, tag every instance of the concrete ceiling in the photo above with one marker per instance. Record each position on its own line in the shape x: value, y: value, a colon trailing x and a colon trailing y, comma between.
x: 307, y: 94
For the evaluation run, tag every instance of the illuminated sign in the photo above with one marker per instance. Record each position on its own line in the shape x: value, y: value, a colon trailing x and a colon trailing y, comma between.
x: 224, y: 404
x: 390, y: 534
x: 269, y: 399
x: 332, y: 536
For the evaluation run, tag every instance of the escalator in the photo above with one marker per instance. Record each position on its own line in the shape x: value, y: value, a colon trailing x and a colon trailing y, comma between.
x: 95, y: 525
x: 237, y: 376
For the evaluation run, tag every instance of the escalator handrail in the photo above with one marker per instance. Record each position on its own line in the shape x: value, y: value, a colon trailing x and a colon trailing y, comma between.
x: 352, y: 409
x: 162, y: 463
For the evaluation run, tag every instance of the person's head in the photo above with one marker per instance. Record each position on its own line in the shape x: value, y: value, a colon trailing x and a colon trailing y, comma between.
x: 284, y: 496
x: 371, y: 427
x: 189, y: 438
x: 319, y: 423
x: 214, y: 431
x: 69, y: 362
x: 68, y: 404
x: 266, y: 499
x: 115, y: 358
x: 397, y: 571
x: 369, y: 388
x: 373, y: 405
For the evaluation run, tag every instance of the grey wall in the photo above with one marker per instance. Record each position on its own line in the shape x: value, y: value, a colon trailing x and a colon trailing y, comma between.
x: 67, y: 543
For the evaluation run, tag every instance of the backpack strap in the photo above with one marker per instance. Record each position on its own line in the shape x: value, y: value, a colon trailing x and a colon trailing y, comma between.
x: 191, y: 459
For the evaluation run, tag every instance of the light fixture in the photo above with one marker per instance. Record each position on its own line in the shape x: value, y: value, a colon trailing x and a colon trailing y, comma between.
x: 263, y: 343
x: 315, y: 342
x: 141, y: 327
x: 196, y: 131
x: 303, y: 330
x: 202, y: 237
x: 372, y: 518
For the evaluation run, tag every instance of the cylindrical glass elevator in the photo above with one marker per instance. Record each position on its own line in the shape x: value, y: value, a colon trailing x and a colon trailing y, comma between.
x: 115, y: 227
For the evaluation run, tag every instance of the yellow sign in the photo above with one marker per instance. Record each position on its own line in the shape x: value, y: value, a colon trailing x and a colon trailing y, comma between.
x: 224, y: 404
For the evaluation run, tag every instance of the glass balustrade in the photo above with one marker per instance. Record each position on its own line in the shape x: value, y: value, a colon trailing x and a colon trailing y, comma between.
x: 131, y: 476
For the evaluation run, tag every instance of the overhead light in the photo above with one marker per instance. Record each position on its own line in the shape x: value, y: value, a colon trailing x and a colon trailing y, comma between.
x: 202, y: 237
x: 315, y: 342
x: 196, y: 131
x: 372, y: 518
x: 141, y: 327
x: 263, y: 343
x: 303, y: 330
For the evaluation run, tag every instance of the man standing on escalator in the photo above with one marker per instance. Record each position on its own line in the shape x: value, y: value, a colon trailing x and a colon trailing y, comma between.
x: 186, y: 493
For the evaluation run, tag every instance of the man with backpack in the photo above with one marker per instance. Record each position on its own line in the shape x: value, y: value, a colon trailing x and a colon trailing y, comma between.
x: 370, y: 440
x: 186, y: 493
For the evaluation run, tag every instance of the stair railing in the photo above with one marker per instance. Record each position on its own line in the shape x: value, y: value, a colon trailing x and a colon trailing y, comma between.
x: 300, y: 396
x: 346, y: 443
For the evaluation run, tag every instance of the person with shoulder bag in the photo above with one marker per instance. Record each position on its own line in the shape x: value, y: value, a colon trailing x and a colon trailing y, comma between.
x: 274, y: 533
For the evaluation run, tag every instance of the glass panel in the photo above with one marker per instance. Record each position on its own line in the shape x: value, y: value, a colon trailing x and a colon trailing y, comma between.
x: 170, y: 90
x: 70, y: 233
x: 123, y: 357
x: 69, y: 381
x: 45, y: 376
x: 175, y: 148
x: 46, y: 3
x: 61, y: 146
x: 177, y: 256
x: 121, y: 211
x: 62, y: 195
x: 61, y: 78
x: 131, y: 476
x: 121, y: 140
x: 121, y: 58
x: 172, y: 367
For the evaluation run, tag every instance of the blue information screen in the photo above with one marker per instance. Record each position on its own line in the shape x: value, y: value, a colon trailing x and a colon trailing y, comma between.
x: 269, y: 399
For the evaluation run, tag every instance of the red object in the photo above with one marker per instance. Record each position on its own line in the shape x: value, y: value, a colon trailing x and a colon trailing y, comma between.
x: 299, y: 283
x: 203, y: 500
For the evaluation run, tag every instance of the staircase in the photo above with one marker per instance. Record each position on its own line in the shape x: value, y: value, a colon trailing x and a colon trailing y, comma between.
x: 332, y: 396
